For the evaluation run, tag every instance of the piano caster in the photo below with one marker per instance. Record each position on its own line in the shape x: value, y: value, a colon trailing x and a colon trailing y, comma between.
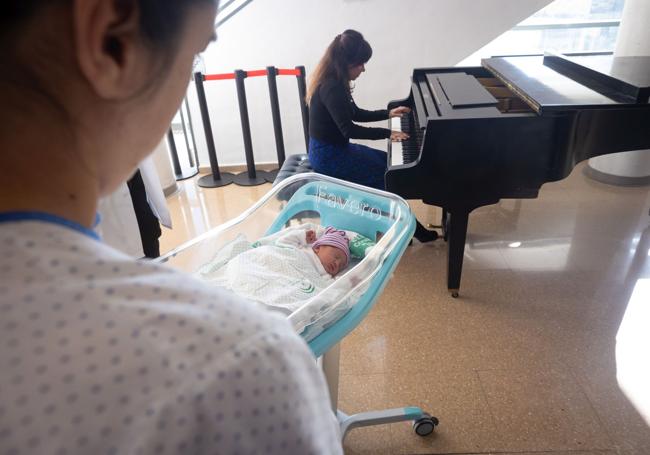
x: 454, y: 293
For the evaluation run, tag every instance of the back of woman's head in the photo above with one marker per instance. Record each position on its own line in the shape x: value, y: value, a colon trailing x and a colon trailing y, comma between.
x: 112, y: 71
x: 351, y: 49
x: 160, y: 20
x: 160, y: 23
x: 346, y: 50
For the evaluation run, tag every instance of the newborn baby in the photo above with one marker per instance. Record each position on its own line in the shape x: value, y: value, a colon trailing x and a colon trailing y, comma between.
x: 332, y: 249
x: 282, y: 270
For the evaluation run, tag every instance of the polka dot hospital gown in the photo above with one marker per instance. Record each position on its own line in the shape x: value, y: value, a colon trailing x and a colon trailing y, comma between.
x: 100, y: 354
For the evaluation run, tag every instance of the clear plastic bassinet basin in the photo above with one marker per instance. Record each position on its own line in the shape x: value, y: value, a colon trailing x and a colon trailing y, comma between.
x: 326, y: 317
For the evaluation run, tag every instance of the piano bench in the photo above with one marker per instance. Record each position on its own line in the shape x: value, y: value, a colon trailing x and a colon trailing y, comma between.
x: 294, y: 164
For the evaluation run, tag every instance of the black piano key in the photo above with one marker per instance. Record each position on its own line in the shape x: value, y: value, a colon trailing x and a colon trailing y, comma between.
x: 404, y: 123
x: 412, y: 146
x: 408, y: 147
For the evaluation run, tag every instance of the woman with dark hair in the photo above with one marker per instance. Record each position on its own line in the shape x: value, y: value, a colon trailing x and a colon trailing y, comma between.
x: 102, y: 354
x: 332, y: 113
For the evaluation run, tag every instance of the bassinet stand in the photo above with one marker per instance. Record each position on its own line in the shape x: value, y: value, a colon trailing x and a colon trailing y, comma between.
x: 423, y: 423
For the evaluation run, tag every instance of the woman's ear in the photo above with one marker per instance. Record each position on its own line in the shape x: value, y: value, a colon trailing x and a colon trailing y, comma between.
x: 108, y: 46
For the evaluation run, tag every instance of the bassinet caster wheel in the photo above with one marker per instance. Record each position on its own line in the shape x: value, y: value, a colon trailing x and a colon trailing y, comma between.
x: 424, y: 426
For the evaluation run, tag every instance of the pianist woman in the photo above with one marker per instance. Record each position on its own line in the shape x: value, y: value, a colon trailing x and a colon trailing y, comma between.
x: 332, y: 113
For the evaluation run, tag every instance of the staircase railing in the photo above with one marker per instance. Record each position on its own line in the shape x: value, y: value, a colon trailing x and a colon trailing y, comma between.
x: 228, y: 9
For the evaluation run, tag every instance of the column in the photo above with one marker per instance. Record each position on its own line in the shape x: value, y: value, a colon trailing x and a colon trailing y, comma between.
x: 627, y: 168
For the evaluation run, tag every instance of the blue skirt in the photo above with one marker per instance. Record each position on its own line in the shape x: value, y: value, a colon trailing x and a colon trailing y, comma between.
x: 352, y: 162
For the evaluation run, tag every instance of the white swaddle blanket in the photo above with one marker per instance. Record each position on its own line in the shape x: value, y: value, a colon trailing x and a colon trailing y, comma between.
x: 280, y: 270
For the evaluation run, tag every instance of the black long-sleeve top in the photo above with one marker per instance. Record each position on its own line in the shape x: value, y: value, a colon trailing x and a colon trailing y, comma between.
x: 332, y: 113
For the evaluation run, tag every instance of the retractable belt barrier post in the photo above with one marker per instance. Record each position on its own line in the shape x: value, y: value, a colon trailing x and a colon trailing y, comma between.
x: 189, y: 119
x: 252, y: 176
x: 174, y: 153
x: 187, y: 141
x: 179, y: 172
x: 216, y: 179
x: 271, y: 74
x: 302, y: 92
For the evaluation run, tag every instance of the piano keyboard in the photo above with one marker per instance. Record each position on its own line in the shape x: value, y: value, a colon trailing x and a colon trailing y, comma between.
x: 409, y: 150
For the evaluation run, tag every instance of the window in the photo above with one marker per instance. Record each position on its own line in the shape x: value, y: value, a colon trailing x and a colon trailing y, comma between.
x: 563, y: 26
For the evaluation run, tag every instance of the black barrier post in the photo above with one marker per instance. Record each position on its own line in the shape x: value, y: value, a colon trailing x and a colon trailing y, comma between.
x: 302, y: 92
x: 271, y: 73
x: 189, y: 120
x: 251, y: 177
x: 174, y: 153
x: 216, y: 179
x: 192, y: 171
x: 187, y: 141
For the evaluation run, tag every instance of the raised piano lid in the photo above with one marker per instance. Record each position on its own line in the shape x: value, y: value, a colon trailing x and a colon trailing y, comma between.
x: 547, y: 91
x: 625, y: 79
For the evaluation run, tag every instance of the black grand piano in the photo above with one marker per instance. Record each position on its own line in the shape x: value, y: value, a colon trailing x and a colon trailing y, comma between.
x: 502, y: 130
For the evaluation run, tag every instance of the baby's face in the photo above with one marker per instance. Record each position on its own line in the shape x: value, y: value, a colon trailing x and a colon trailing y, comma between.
x: 333, y: 259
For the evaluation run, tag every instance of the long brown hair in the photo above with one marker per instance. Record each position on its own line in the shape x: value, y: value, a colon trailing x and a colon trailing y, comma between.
x: 348, y: 49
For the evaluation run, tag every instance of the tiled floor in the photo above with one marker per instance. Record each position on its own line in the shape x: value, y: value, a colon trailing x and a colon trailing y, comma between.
x: 525, y: 360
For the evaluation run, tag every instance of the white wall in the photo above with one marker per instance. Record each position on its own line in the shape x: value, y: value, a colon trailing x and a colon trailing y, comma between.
x: 404, y: 35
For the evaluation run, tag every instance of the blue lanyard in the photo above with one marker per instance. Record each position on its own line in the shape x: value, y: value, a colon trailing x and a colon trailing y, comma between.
x: 12, y: 217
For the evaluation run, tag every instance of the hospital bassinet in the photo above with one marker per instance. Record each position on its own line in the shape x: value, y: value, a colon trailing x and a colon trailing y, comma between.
x: 330, y: 315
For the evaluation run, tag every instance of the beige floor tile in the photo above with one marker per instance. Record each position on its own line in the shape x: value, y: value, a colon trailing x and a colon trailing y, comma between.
x: 562, y: 254
x: 455, y: 398
x: 622, y: 421
x: 195, y: 210
x: 572, y: 452
x: 482, y: 253
x: 424, y: 264
x: 424, y: 332
x: 633, y: 452
x: 556, y: 314
x: 542, y: 410
x: 360, y: 393
x: 364, y: 350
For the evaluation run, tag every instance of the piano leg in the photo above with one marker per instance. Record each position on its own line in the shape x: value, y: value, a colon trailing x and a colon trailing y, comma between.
x: 443, y: 224
x: 456, y: 232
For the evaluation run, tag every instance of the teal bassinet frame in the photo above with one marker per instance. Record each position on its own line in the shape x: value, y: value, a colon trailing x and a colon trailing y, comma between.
x: 366, y: 211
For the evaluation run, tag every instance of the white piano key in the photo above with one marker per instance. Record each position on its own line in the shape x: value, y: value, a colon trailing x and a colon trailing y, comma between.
x: 396, y: 157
